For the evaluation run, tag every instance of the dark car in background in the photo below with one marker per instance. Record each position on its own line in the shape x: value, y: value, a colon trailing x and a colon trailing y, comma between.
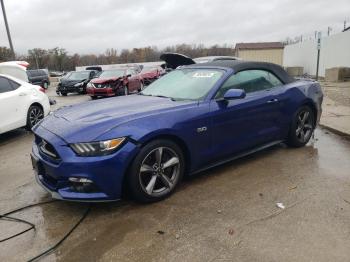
x: 38, y: 77
x: 174, y: 60
x: 150, y: 74
x: 114, y: 82
x: 75, y: 82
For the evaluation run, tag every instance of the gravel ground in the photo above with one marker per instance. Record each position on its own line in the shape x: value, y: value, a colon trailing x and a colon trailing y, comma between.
x: 338, y: 92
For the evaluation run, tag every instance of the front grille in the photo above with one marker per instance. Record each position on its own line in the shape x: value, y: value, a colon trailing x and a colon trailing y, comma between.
x: 48, y: 150
x: 101, y: 85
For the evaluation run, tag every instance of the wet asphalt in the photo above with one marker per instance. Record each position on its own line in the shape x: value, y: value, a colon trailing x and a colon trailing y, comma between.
x: 228, y: 213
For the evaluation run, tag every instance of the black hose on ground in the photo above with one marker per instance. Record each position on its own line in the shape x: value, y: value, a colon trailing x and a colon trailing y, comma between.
x: 14, y: 219
x: 48, y: 251
x: 32, y: 226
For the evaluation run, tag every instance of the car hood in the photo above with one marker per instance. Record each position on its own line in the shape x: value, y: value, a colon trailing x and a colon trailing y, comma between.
x: 104, y: 80
x: 174, y: 60
x: 67, y: 82
x: 87, y: 121
x: 149, y: 74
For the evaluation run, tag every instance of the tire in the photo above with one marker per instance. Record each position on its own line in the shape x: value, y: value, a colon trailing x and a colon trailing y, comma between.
x: 154, y: 182
x: 302, y: 127
x: 83, y: 92
x: 34, y: 115
x: 126, y: 90
x: 63, y: 93
x: 93, y: 97
x: 142, y: 86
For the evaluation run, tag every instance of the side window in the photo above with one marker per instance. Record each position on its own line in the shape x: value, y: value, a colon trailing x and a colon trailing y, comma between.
x: 14, y: 84
x: 5, y: 85
x: 250, y: 81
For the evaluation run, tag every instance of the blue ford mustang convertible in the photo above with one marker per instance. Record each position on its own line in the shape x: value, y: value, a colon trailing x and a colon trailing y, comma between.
x: 191, y: 119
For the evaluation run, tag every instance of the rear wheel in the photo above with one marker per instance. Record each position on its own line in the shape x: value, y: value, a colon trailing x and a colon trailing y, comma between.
x: 34, y: 115
x: 156, y: 171
x: 63, y: 93
x: 302, y: 127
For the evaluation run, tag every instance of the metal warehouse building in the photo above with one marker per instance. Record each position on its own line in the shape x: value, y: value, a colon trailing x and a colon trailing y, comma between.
x: 264, y: 51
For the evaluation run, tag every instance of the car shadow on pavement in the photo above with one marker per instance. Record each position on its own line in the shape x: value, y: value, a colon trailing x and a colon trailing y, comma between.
x: 10, y: 136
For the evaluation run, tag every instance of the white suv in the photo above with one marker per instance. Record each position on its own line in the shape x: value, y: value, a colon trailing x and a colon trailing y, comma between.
x: 21, y: 104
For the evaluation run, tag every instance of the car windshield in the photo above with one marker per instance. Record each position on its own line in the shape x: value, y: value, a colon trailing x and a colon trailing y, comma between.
x: 111, y: 73
x: 184, y: 84
x: 78, y: 75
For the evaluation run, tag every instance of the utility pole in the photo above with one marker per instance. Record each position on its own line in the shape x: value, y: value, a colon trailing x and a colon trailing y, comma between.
x: 319, y: 36
x: 7, y: 28
x: 329, y: 30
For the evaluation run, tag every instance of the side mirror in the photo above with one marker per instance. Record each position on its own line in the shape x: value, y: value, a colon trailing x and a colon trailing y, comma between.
x: 234, y: 94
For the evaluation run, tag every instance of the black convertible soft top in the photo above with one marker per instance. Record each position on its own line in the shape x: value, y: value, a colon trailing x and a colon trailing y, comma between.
x: 239, y: 65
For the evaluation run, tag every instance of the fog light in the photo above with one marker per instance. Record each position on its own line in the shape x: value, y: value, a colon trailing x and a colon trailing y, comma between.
x: 79, y: 180
x: 82, y: 185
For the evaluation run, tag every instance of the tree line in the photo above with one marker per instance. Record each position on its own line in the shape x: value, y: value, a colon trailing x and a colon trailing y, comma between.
x: 59, y: 59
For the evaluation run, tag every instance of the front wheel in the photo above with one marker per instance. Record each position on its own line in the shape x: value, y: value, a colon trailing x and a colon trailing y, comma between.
x: 302, y: 127
x: 142, y: 86
x: 34, y: 115
x: 126, y: 90
x: 156, y: 171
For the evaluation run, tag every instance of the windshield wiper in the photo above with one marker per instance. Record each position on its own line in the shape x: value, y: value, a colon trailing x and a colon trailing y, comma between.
x: 171, y: 98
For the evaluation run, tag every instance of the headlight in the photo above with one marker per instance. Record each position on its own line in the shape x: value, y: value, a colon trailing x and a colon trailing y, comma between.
x: 100, y: 148
x: 79, y: 84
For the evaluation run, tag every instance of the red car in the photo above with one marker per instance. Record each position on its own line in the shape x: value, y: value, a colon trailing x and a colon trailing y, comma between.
x: 150, y: 74
x: 115, y: 82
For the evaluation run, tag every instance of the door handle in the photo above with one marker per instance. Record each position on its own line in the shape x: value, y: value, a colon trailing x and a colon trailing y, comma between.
x: 22, y: 94
x: 272, y: 101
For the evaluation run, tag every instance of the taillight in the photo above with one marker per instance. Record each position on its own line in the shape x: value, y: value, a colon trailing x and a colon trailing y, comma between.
x: 42, y: 89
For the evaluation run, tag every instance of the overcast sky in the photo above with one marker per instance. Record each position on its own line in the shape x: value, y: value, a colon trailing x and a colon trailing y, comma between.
x: 91, y: 26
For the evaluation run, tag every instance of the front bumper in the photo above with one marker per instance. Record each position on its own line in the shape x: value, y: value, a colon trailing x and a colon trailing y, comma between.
x: 69, y: 89
x: 101, y: 92
x: 105, y: 172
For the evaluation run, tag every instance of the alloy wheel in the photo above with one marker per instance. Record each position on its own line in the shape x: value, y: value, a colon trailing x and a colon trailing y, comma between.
x: 159, y: 171
x: 35, y: 115
x: 304, y: 126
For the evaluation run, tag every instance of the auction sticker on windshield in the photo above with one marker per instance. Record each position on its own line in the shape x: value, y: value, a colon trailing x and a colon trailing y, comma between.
x: 203, y: 74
